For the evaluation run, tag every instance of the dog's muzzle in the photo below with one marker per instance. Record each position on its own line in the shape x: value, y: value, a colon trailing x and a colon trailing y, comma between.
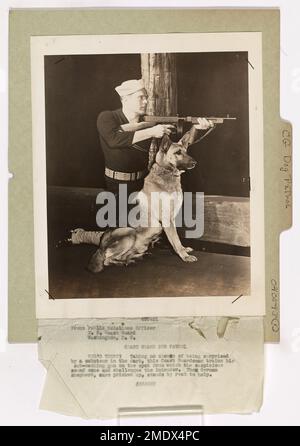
x: 187, y: 165
x: 192, y: 164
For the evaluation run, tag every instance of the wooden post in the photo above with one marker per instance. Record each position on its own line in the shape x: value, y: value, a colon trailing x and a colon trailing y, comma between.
x: 160, y: 77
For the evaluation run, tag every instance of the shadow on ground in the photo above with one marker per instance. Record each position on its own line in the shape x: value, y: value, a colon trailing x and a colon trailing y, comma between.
x: 160, y: 274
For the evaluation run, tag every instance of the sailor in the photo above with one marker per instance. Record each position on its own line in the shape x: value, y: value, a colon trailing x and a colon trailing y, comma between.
x: 124, y: 140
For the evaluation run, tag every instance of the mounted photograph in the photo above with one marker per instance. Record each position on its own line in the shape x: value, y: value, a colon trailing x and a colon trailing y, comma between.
x: 148, y: 175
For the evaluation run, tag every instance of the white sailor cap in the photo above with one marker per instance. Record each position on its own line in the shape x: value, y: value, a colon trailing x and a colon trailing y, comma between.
x: 129, y: 87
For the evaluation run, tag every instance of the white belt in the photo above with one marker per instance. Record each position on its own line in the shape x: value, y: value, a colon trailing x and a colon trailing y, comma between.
x: 125, y: 176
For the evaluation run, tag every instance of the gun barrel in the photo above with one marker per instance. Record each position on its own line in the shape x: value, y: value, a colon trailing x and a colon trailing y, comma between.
x: 215, y: 119
x: 221, y: 117
x: 178, y: 119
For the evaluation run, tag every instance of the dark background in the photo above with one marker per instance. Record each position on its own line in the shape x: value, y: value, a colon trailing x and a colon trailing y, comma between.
x: 78, y: 88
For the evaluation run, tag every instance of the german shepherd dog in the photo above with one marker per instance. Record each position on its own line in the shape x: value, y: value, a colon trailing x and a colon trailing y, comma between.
x: 122, y: 246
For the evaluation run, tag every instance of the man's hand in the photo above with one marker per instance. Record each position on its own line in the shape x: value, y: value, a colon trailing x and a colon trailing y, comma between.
x: 158, y: 131
x: 204, y: 124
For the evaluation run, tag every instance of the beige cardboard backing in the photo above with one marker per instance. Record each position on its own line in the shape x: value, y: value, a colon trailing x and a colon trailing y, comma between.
x: 277, y: 134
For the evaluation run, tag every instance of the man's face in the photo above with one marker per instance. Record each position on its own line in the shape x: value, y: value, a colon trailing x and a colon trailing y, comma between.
x: 137, y: 102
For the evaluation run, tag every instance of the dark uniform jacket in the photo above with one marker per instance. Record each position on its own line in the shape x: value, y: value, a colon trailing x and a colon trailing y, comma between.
x: 116, y: 144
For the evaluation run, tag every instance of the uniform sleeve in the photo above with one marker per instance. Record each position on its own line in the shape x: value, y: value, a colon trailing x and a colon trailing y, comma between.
x: 111, y: 131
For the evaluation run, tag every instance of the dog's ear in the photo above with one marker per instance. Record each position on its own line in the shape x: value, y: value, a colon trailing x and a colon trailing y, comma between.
x: 189, y: 137
x: 165, y: 143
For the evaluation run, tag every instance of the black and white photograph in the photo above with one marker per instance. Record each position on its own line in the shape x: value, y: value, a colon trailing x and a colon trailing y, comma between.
x: 148, y: 173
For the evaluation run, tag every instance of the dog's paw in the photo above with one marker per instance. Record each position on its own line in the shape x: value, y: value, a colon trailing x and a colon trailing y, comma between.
x: 188, y: 249
x: 190, y: 259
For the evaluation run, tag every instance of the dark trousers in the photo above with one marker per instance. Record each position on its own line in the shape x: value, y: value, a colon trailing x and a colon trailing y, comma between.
x: 132, y: 186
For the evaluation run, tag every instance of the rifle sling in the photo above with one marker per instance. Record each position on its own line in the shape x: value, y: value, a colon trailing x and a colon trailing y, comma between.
x: 203, y: 136
x: 141, y: 149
